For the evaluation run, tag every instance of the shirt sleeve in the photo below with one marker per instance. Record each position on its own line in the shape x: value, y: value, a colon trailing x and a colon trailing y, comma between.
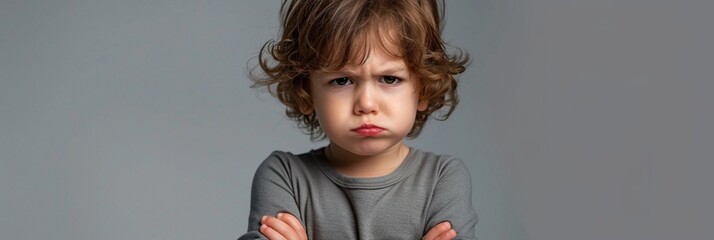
x: 271, y: 193
x: 451, y: 200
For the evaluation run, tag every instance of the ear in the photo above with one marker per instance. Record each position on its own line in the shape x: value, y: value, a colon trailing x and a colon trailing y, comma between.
x: 306, y: 106
x: 422, y: 105
x: 306, y: 110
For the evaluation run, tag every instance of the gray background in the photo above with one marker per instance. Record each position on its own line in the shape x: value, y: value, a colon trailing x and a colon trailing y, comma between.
x: 133, y: 119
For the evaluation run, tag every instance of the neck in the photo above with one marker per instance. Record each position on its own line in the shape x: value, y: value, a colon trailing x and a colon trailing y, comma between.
x: 354, y: 165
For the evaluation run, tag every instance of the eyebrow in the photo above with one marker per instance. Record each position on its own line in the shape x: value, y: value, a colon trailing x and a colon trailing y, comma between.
x: 386, y: 70
x: 393, y: 70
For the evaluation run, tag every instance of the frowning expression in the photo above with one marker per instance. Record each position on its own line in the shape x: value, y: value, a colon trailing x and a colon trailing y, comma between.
x: 368, y: 108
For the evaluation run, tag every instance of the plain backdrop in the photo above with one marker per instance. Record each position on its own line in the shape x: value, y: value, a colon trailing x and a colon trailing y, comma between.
x: 134, y: 119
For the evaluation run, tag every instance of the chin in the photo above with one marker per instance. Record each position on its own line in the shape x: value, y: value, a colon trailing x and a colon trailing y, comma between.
x: 369, y: 147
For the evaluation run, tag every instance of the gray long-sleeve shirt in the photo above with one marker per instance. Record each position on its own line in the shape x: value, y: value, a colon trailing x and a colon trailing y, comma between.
x: 424, y: 190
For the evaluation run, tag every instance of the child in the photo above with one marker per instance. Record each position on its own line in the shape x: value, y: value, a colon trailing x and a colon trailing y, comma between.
x: 364, y: 74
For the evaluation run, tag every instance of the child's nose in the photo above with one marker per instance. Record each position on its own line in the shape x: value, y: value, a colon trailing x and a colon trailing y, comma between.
x: 365, y: 102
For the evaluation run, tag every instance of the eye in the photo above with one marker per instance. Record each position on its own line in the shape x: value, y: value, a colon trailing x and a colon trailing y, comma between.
x: 341, y: 81
x: 391, y: 80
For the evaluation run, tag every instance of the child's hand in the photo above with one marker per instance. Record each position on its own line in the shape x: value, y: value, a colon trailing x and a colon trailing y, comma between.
x: 441, y: 231
x: 284, y: 226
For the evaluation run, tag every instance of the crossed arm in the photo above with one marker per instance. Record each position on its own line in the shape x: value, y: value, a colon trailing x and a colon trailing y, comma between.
x: 286, y: 226
x: 273, y: 186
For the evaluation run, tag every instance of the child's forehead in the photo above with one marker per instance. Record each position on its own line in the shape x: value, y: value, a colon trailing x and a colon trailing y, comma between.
x: 386, y: 68
x: 372, y: 44
x: 377, y: 57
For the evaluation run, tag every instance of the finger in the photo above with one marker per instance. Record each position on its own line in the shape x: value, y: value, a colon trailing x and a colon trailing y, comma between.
x: 294, y: 223
x: 437, y: 230
x: 270, y: 233
x: 448, y: 235
x: 279, y: 226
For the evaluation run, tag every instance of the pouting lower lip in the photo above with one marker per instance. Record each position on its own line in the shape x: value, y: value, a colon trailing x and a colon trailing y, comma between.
x: 372, y: 131
x: 367, y: 126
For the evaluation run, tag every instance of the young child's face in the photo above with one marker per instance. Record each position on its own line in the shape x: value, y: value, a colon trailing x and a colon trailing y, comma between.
x: 368, y: 108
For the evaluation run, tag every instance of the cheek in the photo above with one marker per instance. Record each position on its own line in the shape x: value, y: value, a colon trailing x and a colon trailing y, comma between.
x: 329, y: 111
x: 408, y: 110
x: 321, y: 102
x: 318, y: 101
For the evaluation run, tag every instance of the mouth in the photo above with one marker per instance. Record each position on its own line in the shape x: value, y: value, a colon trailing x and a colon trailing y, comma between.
x: 368, y: 130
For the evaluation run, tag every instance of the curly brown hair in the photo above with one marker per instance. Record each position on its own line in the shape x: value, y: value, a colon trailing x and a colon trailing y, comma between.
x: 328, y: 35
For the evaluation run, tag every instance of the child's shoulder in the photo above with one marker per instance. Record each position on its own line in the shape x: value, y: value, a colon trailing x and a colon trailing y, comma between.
x: 280, y: 155
x: 439, y: 158
x: 287, y: 162
x: 443, y: 163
